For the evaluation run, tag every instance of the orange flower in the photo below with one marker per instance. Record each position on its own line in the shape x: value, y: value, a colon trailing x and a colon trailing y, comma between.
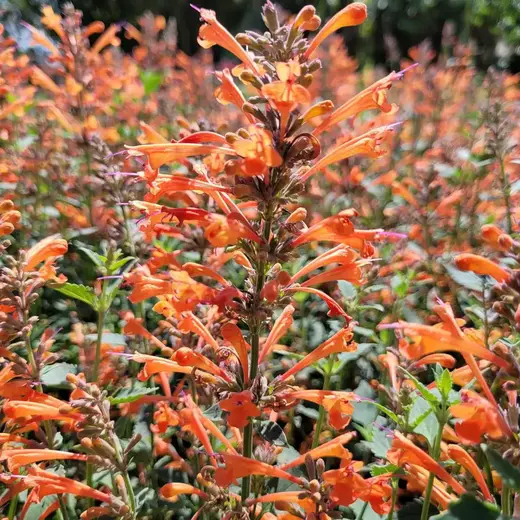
x: 238, y: 467
x: 496, y: 238
x: 258, y: 152
x: 340, y: 342
x: 52, y: 21
x: 9, y: 217
x: 212, y: 32
x: 233, y: 335
x: 482, y: 266
x: 28, y: 411
x: 281, y: 326
x: 286, y: 94
x: 40, y: 79
x: 228, y: 93
x: 404, y: 451
x: 373, y: 97
x: 228, y: 230
x: 107, y: 38
x: 47, y: 251
x: 353, y: 14
x: 240, y: 407
x: 25, y: 456
x: 159, y: 153
x: 48, y: 483
x: 172, y: 491
x: 190, y: 323
x: 185, y: 357
x: 430, y: 340
x: 368, y: 144
x: 333, y: 448
x: 155, y: 365
x: 338, y: 404
x: 478, y: 417
x: 462, y: 457
x: 39, y: 38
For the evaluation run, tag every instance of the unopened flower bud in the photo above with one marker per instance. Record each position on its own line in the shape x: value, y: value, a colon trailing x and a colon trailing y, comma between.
x: 298, y: 215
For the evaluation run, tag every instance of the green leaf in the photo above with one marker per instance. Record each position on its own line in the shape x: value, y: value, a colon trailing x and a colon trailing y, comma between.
x: 377, y: 470
x: 114, y: 266
x: 78, y: 292
x: 379, y: 444
x: 364, y: 412
x: 129, y: 395
x: 214, y: 412
x: 444, y: 384
x: 430, y: 397
x: 97, y: 259
x: 469, y: 508
x: 271, y: 432
x: 424, y: 420
x: 56, y: 374
x: 509, y: 473
x: 347, y: 289
x: 467, y: 279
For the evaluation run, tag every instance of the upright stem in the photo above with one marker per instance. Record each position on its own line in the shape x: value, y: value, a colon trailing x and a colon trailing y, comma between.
x: 255, y: 328
x: 435, y: 454
x: 506, y: 501
x: 506, y: 189
x: 395, y: 487
x: 321, y: 416
x: 99, y: 339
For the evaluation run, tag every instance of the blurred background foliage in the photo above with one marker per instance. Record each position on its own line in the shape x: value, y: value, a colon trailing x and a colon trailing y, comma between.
x: 393, y: 26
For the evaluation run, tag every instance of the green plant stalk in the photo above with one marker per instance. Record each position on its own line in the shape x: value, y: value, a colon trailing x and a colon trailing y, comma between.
x: 62, y: 513
x: 323, y: 413
x: 506, y: 501
x: 13, y: 504
x: 435, y: 454
x: 394, y: 499
x: 506, y: 189
x: 362, y: 512
x: 100, y: 325
x: 255, y: 329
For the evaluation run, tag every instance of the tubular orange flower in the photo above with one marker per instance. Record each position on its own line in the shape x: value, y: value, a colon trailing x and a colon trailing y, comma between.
x: 212, y: 32
x: 190, y: 323
x: 478, y: 417
x: 332, y: 448
x: 334, y: 308
x: 240, y: 407
x: 40, y: 79
x: 258, y: 152
x: 404, y: 451
x: 483, y: 266
x: 40, y: 39
x: 353, y: 14
x: 228, y: 230
x: 48, y: 483
x: 238, y: 467
x: 172, y: 491
x: 435, y: 339
x: 159, y: 154
x: 496, y: 238
x: 233, y: 335
x: 155, y: 365
x: 338, y: 404
x: 340, y: 342
x: 368, y: 143
x: 47, y: 249
x: 282, y: 324
x: 462, y: 457
x: 373, y: 97
x: 26, y: 410
x: 52, y: 21
x: 418, y: 477
x: 445, y: 360
x: 229, y: 93
x: 390, y: 362
x: 185, y: 357
x: 107, y: 38
x: 194, y: 269
x: 23, y: 457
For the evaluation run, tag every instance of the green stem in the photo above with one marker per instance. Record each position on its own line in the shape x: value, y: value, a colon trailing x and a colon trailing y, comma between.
x: 395, y: 487
x: 13, y: 505
x: 124, y: 472
x: 255, y: 327
x: 321, y: 416
x: 435, y: 454
x: 506, y: 501
x: 506, y: 189
x: 362, y: 512
x: 99, y: 340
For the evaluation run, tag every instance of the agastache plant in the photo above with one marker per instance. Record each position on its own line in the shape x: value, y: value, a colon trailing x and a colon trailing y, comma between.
x: 240, y: 197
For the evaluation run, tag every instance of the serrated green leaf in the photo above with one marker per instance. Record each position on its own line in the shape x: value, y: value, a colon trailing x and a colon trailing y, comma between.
x: 424, y: 420
x: 379, y: 444
x: 376, y: 470
x: 347, y: 289
x: 115, y: 266
x: 78, y: 292
x: 430, y: 397
x: 510, y: 474
x: 129, y: 395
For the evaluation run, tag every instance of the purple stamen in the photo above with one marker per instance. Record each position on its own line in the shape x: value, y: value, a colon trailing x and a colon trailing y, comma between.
x: 123, y: 174
x: 193, y: 6
x: 112, y: 277
x: 412, y: 66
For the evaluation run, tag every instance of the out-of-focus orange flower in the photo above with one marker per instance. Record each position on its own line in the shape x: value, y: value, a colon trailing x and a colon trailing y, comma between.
x: 240, y: 407
x: 23, y: 457
x: 496, y: 238
x: 482, y: 266
x: 228, y: 93
x: 228, y: 230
